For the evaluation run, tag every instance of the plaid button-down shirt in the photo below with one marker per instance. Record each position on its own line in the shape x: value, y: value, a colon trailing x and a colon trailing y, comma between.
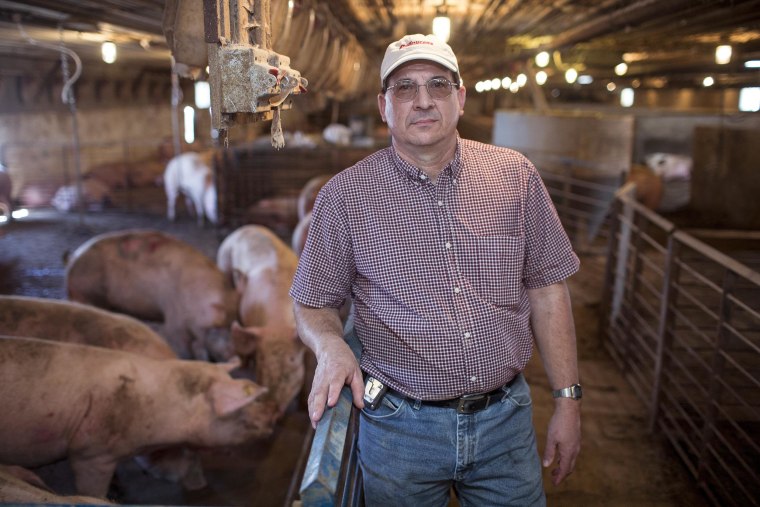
x: 438, y: 272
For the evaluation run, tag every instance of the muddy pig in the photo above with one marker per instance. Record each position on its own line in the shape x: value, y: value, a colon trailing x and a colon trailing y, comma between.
x: 98, y: 406
x: 67, y: 321
x: 154, y: 276
x: 262, y: 268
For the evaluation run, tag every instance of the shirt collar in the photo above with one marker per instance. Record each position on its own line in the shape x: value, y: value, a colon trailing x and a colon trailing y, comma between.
x: 416, y: 174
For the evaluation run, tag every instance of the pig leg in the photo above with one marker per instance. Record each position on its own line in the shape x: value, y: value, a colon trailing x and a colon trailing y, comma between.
x: 93, y: 475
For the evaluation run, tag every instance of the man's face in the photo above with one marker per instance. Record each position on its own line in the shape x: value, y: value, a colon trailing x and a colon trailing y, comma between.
x: 422, y: 121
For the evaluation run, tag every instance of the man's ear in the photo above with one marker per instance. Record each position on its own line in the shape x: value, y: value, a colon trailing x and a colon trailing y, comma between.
x: 381, y: 105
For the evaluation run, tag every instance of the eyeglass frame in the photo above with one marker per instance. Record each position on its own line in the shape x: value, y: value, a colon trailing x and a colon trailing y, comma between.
x: 451, y: 84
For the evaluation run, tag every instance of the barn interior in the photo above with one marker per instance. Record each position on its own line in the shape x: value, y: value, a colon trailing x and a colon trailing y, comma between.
x: 641, y: 115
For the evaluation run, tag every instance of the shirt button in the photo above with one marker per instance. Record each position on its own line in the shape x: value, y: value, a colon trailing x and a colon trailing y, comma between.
x: 423, y: 177
x: 440, y: 203
x: 457, y: 290
x: 455, y: 181
x: 448, y: 245
x: 467, y: 335
x: 473, y: 378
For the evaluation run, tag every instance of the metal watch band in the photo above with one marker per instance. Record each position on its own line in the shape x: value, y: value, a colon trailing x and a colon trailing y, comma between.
x: 574, y: 391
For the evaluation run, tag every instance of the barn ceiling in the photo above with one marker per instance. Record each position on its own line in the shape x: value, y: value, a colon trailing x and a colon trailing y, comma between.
x: 664, y: 42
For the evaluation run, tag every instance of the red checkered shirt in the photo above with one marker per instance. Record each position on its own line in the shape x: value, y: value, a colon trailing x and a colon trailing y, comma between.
x: 438, y: 272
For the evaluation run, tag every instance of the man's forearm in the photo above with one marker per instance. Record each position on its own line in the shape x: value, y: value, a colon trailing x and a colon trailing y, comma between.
x: 316, y: 326
x: 554, y: 331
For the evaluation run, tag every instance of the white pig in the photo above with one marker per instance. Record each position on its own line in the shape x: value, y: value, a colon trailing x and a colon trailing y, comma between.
x: 155, y: 276
x: 98, y: 406
x: 189, y: 174
x: 262, y: 267
x: 21, y: 486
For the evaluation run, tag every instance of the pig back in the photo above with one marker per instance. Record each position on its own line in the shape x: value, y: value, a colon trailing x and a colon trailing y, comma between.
x: 150, y: 275
x: 72, y: 322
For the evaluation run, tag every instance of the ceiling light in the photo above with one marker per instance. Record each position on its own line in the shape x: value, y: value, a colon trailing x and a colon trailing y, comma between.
x: 495, y: 83
x: 514, y: 87
x: 542, y: 59
x: 442, y: 24
x: 480, y: 87
x: 571, y: 75
x: 585, y: 79
x: 708, y: 81
x: 505, y: 82
x: 108, y: 50
x: 723, y: 54
x: 626, y: 97
x: 541, y: 77
x: 611, y: 86
x: 621, y: 68
x: 521, y: 80
x: 487, y: 85
x: 752, y: 64
x: 202, y: 95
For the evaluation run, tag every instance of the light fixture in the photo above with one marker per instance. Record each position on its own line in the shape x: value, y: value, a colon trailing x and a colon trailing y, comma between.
x: 708, y: 81
x: 585, y: 79
x: 542, y: 59
x: 723, y: 54
x: 621, y: 68
x: 521, y: 80
x: 480, y: 87
x: 202, y: 95
x: 541, y: 77
x: 571, y: 75
x: 611, y: 86
x: 749, y: 99
x: 487, y: 85
x: 495, y: 83
x: 752, y: 64
x: 442, y: 23
x: 188, y: 113
x: 514, y: 87
x: 505, y: 82
x: 626, y: 97
x: 108, y: 51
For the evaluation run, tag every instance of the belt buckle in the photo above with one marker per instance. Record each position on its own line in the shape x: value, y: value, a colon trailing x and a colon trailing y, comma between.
x: 465, y: 405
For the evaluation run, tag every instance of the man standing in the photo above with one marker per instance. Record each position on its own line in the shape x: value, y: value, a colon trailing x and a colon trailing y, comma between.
x: 456, y: 262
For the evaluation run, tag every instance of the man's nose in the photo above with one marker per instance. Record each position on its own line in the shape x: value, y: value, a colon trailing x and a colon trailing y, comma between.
x: 423, y: 99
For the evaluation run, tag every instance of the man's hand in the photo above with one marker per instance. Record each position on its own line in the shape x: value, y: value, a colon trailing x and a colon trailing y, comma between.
x: 336, y: 367
x: 563, y: 439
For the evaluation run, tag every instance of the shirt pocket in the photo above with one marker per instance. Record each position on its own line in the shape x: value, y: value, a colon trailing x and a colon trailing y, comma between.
x: 498, y: 276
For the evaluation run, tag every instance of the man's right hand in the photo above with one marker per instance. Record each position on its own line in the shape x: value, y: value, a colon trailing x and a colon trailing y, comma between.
x: 336, y: 367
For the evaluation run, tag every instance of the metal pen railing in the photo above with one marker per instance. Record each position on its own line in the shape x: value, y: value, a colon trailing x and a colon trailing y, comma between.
x: 682, y: 320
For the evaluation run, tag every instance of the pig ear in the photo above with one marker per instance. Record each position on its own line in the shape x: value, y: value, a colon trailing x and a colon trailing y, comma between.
x: 231, y: 364
x: 229, y: 396
x: 244, y: 338
x: 239, y: 280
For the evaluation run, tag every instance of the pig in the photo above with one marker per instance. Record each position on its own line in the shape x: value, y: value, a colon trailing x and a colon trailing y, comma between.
x: 154, y: 276
x: 67, y: 321
x: 309, y: 192
x: 99, y: 406
x: 262, y: 268
x: 96, y: 196
x: 670, y: 166
x: 6, y: 203
x: 72, y: 322
x: 190, y: 174
x: 21, y: 486
x: 300, y: 233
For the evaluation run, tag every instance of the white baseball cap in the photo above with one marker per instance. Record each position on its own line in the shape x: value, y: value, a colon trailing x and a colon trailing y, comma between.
x: 417, y: 47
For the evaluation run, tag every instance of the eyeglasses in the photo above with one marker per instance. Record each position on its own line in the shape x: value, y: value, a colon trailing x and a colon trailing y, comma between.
x: 438, y: 88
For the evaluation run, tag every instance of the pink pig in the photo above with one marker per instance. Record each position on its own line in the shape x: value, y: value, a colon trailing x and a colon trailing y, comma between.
x: 99, y: 406
x: 262, y: 267
x: 154, y: 276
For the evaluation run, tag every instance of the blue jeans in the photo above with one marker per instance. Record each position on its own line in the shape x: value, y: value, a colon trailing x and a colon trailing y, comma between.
x: 413, y: 454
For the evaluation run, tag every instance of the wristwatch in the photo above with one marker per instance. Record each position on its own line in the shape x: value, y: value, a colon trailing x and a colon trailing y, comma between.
x: 574, y: 391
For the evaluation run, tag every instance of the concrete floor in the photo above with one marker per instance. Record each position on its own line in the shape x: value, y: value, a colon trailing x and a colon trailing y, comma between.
x: 620, y: 464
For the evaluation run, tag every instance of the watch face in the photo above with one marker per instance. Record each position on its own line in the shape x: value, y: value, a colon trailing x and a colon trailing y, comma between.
x: 577, y: 392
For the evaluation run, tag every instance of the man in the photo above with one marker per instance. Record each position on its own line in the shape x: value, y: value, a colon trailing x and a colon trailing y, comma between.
x: 456, y: 261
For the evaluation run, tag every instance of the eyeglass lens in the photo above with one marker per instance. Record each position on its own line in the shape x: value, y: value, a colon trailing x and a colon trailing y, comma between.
x: 438, y: 88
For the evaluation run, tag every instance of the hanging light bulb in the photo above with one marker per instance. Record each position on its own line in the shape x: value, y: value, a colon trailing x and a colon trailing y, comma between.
x: 708, y: 81
x: 108, y: 51
x: 542, y: 59
x: 541, y: 77
x: 571, y: 75
x: 723, y: 54
x: 621, y: 68
x: 442, y: 23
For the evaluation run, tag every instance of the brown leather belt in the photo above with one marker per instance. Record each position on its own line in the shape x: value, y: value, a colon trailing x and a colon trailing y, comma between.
x: 466, y: 404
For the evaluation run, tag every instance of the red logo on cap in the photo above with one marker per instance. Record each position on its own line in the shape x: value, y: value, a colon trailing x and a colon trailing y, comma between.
x: 415, y: 42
